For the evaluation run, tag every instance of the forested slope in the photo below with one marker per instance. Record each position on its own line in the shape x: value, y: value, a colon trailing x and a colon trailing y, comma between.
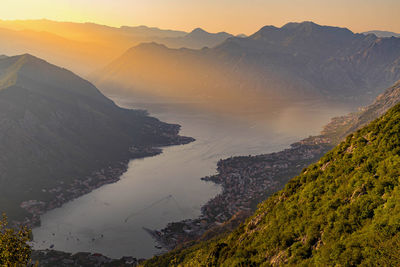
x: 343, y: 210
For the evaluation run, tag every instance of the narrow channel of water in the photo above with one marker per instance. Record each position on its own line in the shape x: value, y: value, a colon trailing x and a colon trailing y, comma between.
x: 166, y: 188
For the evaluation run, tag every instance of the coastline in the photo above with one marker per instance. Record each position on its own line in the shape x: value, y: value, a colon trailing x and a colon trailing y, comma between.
x: 64, y: 193
x: 65, y: 259
x: 246, y: 181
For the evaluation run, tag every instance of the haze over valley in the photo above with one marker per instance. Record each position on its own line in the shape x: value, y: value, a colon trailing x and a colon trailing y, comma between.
x: 86, y: 47
x: 222, y: 141
x: 295, y: 63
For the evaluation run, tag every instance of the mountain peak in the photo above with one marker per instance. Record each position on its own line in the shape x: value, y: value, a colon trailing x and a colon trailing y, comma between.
x: 310, y: 27
x: 31, y: 72
x: 29, y: 57
x: 268, y: 28
x: 150, y: 45
x: 296, y: 25
x: 198, y: 31
x: 15, y: 63
x: 302, y: 30
x: 12, y: 65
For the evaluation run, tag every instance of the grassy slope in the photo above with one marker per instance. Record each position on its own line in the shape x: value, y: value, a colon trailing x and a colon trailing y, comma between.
x: 343, y: 210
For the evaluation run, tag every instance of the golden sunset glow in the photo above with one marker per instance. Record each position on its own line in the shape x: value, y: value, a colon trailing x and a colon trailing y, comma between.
x: 235, y: 16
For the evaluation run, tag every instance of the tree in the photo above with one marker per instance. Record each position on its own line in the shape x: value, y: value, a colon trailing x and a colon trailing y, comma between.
x: 14, y: 248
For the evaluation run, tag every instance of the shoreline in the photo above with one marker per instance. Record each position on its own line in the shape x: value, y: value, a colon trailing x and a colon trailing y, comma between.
x: 60, y: 258
x: 64, y: 193
x: 246, y: 181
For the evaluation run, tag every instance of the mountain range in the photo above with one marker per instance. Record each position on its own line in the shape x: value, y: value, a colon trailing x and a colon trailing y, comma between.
x: 84, y: 47
x: 298, y: 62
x: 61, y: 137
x: 80, y: 56
x: 92, y: 32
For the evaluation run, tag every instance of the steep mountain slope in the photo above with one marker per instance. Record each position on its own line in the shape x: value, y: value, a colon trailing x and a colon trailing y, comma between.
x: 147, y: 67
x: 343, y: 210
x: 340, y: 127
x: 300, y: 61
x: 57, y: 129
x: 196, y: 39
x: 249, y: 180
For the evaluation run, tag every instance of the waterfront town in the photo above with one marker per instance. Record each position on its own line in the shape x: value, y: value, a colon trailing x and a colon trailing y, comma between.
x: 64, y: 259
x: 246, y: 181
x: 64, y: 192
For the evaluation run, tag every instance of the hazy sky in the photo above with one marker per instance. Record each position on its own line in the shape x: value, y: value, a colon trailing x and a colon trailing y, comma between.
x: 235, y: 16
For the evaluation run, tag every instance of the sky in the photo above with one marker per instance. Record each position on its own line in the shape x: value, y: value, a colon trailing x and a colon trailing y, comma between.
x: 234, y: 16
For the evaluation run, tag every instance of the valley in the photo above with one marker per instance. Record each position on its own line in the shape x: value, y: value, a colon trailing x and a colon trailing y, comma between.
x: 166, y: 188
x: 254, y: 135
x: 331, y: 211
x: 60, y: 149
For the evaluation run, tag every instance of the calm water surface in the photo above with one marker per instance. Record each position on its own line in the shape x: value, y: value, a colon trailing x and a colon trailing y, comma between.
x: 167, y: 188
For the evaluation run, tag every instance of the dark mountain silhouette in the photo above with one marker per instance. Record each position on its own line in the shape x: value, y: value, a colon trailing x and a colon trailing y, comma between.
x: 300, y: 61
x: 57, y: 129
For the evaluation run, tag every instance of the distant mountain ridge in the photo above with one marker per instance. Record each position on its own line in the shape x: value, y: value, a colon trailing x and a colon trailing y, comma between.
x: 383, y: 34
x: 147, y: 32
x: 196, y: 39
x: 84, y: 47
x: 299, y: 61
x: 90, y: 32
x: 81, y: 57
x: 57, y: 130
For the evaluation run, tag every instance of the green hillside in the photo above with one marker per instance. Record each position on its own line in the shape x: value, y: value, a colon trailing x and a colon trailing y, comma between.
x: 343, y: 210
